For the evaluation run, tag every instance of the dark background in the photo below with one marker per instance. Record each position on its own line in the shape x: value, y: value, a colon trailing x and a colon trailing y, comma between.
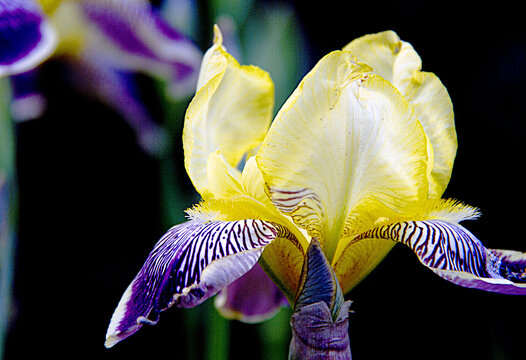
x: 90, y: 203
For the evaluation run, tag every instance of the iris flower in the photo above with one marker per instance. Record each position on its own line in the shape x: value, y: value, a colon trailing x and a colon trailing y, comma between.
x: 358, y: 157
x: 104, y: 42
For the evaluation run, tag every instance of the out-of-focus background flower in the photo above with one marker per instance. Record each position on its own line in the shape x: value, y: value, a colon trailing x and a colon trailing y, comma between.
x: 92, y: 202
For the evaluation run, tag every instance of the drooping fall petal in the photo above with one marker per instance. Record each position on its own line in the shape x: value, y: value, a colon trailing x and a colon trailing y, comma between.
x: 191, y: 262
x: 231, y: 113
x: 26, y: 38
x: 455, y: 254
x: 282, y: 259
x: 397, y: 61
x: 345, y: 147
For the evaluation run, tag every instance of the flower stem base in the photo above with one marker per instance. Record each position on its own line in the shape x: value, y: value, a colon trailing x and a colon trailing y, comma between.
x: 316, y: 336
x: 320, y: 321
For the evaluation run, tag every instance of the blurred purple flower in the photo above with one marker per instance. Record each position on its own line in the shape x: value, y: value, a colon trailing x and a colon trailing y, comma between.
x: 104, y: 42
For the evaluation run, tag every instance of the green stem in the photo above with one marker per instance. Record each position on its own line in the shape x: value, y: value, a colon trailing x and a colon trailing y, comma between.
x: 217, y: 334
x: 275, y: 335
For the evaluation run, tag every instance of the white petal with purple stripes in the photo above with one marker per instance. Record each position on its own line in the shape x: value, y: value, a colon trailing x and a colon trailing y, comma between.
x: 455, y: 254
x: 192, y: 262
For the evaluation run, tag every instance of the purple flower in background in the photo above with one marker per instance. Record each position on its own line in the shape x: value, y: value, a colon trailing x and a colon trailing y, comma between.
x: 251, y: 298
x: 26, y: 36
x: 104, y: 42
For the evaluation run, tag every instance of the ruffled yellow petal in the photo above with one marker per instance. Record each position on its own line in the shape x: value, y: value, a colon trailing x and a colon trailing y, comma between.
x: 344, y: 149
x: 231, y: 112
x: 380, y: 51
x: 435, y: 111
x: 397, y: 62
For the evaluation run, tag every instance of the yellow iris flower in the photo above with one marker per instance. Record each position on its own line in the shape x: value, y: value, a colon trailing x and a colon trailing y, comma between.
x: 358, y: 157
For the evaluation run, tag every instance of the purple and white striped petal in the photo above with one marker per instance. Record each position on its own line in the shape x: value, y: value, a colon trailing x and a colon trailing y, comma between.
x: 455, y: 254
x: 135, y: 37
x: 192, y: 262
x: 252, y: 298
x: 26, y: 38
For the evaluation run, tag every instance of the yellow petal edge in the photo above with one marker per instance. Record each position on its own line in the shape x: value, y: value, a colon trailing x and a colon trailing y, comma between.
x: 397, y: 62
x: 230, y: 113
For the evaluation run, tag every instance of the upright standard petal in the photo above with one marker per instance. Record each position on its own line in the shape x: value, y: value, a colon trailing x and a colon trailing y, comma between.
x: 454, y: 253
x: 231, y: 112
x: 344, y: 145
x: 191, y: 262
x: 26, y: 38
x: 397, y: 62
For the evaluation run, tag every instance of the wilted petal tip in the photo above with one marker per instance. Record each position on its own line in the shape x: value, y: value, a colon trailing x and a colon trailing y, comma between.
x: 218, y: 36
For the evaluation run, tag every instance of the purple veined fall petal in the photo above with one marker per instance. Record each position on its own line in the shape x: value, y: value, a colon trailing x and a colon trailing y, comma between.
x: 135, y: 37
x: 455, y: 254
x: 26, y: 37
x: 252, y: 298
x: 191, y: 262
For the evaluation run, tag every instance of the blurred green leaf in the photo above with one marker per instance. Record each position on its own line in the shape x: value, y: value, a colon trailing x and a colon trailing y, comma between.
x: 273, y: 40
x: 8, y: 210
x: 239, y: 10
x: 6, y: 130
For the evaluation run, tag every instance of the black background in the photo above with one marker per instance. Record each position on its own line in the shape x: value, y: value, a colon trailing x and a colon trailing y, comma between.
x: 90, y: 204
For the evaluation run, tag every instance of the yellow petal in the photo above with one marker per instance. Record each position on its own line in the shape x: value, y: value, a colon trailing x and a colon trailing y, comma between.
x: 380, y: 51
x: 223, y: 180
x: 435, y: 111
x: 214, y: 61
x: 231, y: 113
x: 283, y: 262
x: 345, y: 148
x: 358, y: 260
x: 397, y: 62
x: 253, y: 182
